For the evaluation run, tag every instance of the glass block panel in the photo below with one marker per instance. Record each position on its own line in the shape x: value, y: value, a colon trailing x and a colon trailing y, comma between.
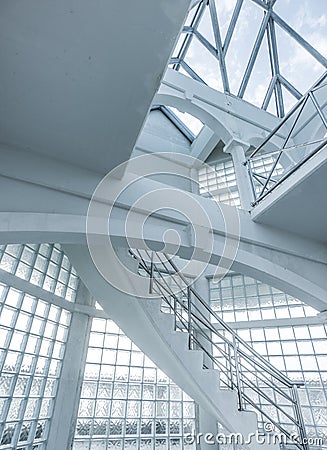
x: 21, y: 386
x: 162, y: 409
x: 132, y: 427
x: 116, y: 427
x: 104, y: 390
x: 89, y: 389
x: 83, y: 427
x: 132, y: 401
x: 86, y: 408
x: 30, y: 410
x: 146, y: 426
x: 118, y: 408
x: 98, y: 445
x: 147, y: 409
x: 175, y: 409
x: 130, y: 444
x: 147, y: 444
x: 11, y: 362
x: 8, y: 434
x: 5, y: 384
x: 25, y: 431
x: 120, y: 390
x: 161, y: 426
x: 81, y: 445
x: 36, y: 386
x: 102, y: 408
x: 14, y: 410
x: 133, y: 409
x: 114, y: 444
x: 46, y: 407
x: 100, y: 427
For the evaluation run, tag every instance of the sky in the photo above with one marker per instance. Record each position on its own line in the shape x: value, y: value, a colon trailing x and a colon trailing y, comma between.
x: 307, y: 17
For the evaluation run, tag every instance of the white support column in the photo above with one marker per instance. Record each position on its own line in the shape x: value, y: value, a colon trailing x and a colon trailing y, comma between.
x: 206, y: 423
x: 67, y: 399
x: 207, y: 429
x: 237, y: 150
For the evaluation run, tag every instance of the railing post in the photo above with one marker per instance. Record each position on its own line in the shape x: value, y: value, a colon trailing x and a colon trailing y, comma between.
x: 249, y: 167
x: 175, y: 312
x: 189, y: 318
x: 238, y: 375
x: 230, y: 368
x: 151, y: 274
x: 299, y: 417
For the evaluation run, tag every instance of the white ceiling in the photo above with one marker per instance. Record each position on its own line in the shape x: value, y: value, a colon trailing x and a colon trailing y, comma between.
x: 77, y: 77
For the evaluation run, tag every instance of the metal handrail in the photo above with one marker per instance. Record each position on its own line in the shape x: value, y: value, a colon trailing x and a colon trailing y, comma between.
x: 237, y: 360
x: 266, y: 187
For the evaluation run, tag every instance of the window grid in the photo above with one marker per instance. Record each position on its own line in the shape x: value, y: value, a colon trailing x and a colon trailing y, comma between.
x: 33, y: 335
x: 299, y: 351
x: 44, y: 265
x: 219, y: 180
x: 262, y: 165
x: 126, y: 402
x: 240, y: 298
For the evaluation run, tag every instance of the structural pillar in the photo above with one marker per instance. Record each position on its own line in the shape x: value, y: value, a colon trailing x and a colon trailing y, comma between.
x: 237, y: 150
x: 206, y: 423
x: 67, y: 399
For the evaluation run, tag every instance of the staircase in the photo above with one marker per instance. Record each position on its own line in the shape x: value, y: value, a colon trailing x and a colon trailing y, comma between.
x: 211, y: 364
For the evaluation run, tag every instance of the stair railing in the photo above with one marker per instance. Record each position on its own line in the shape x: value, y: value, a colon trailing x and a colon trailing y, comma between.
x: 258, y: 383
x: 311, y: 108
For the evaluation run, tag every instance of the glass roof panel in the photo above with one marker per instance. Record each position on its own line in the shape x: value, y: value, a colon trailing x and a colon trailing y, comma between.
x: 191, y: 122
x: 268, y: 52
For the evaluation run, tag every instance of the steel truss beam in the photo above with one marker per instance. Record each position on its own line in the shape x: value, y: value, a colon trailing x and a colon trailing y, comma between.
x: 220, y: 48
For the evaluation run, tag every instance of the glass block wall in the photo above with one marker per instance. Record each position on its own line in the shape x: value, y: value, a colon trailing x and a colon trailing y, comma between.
x: 44, y: 265
x: 126, y: 402
x: 300, y: 351
x: 32, y: 344
x: 241, y: 298
x: 220, y: 180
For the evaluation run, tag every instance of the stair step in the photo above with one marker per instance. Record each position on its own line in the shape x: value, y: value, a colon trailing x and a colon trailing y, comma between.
x: 194, y: 360
x: 211, y: 377
x: 181, y: 339
x: 153, y: 306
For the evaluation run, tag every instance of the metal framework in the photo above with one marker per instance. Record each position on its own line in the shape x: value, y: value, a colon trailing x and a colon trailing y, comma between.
x: 304, y: 132
x: 241, y: 367
x: 220, y: 49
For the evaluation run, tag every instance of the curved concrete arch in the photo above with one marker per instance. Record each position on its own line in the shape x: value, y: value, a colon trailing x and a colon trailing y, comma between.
x: 206, y: 117
x: 226, y: 115
x: 70, y: 229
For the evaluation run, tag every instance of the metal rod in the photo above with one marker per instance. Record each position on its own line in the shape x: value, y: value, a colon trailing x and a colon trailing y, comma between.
x: 189, y: 311
x: 230, y: 367
x: 231, y: 331
x: 151, y: 275
x: 251, y: 180
x: 299, y: 417
x: 194, y: 323
x: 317, y: 106
x: 293, y: 169
x: 238, y: 377
x: 272, y: 171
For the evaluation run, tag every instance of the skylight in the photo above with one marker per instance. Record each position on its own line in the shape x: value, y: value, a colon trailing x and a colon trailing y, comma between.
x: 268, y: 52
x: 187, y: 124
